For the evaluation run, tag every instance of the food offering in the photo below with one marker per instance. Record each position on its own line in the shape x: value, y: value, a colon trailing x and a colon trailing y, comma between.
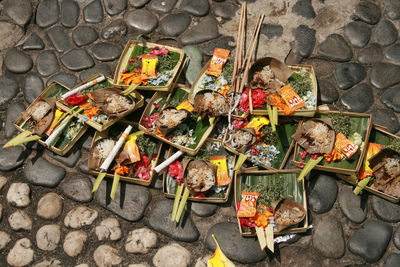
x: 134, y: 161
x: 332, y: 141
x: 101, y: 102
x: 255, y: 139
x: 148, y: 66
x: 270, y: 203
x: 289, y: 90
x: 173, y: 119
x: 206, y: 177
x: 380, y: 171
x: 43, y: 121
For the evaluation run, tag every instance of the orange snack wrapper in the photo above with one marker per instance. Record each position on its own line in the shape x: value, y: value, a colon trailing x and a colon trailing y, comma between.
x: 149, y: 64
x: 333, y: 156
x: 186, y: 105
x: 345, y: 146
x: 372, y: 150
x: 222, y: 171
x: 220, y: 56
x: 277, y: 101
x: 248, y: 204
x: 132, y: 148
x: 292, y: 99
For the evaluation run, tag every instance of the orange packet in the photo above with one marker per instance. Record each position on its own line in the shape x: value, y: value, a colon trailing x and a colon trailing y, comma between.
x: 222, y: 171
x: 248, y: 204
x: 186, y: 105
x: 345, y: 146
x: 132, y: 148
x: 292, y: 99
x: 149, y: 64
x: 220, y: 56
x: 372, y: 150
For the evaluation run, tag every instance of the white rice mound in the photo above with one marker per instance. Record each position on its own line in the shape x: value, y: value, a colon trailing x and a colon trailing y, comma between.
x: 318, y: 133
x: 200, y: 179
x: 117, y: 103
x: 171, y: 118
x: 104, y: 148
x: 241, y: 138
x: 39, y: 110
x: 214, y: 103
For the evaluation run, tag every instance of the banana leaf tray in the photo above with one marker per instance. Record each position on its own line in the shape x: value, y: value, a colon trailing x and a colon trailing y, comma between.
x: 296, y: 68
x: 202, y: 127
x: 61, y: 146
x: 211, y: 147
x: 379, y: 135
x: 291, y: 189
x: 284, y: 131
x: 115, y: 131
x: 127, y: 54
x: 360, y: 123
x: 135, y: 96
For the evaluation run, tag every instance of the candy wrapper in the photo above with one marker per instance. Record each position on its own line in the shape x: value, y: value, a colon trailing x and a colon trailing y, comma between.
x: 220, y: 56
x: 222, y: 171
x: 248, y: 204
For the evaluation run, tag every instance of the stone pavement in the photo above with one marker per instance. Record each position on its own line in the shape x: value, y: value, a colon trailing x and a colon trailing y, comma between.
x: 48, y: 215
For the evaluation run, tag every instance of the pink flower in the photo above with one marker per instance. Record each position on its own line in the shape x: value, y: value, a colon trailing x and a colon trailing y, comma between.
x: 142, y: 168
x: 237, y: 124
x: 175, y: 169
x: 314, y: 156
x: 244, y: 104
x: 258, y: 97
x: 303, y: 154
x: 301, y: 166
x: 150, y: 121
x: 157, y: 51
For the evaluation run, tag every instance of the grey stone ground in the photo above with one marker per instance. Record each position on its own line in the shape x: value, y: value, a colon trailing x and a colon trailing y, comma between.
x: 48, y: 216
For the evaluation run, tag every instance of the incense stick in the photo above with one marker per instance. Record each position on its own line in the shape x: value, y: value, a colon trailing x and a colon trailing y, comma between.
x: 83, y: 86
x: 250, y: 52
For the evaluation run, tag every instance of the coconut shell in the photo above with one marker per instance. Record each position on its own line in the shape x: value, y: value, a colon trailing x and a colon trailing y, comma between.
x: 245, y: 147
x: 305, y: 141
x: 377, y: 165
x: 166, y: 129
x: 100, y: 97
x: 213, y: 108
x: 198, y: 188
x: 281, y: 71
x: 95, y: 162
x: 44, y: 123
x: 296, y: 213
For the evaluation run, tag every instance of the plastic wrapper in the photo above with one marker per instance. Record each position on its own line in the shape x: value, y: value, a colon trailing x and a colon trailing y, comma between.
x: 248, y: 204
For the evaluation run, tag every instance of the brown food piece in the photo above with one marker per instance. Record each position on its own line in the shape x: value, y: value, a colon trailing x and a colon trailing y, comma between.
x: 211, y: 103
x: 170, y: 118
x: 280, y: 71
x: 287, y: 213
x: 200, y: 176
x: 112, y: 102
x: 95, y: 158
x: 43, y: 117
x: 311, y: 137
x: 243, y: 138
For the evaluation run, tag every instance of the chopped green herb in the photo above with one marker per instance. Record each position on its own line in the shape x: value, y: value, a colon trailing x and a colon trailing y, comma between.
x: 268, y: 192
x: 301, y: 83
x: 268, y: 136
x: 395, y: 145
x: 227, y: 70
x: 341, y: 123
x: 104, y: 84
x: 146, y: 145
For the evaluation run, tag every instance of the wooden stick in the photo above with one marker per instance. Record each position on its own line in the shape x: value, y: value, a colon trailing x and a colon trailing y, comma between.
x: 250, y: 52
x: 239, y: 48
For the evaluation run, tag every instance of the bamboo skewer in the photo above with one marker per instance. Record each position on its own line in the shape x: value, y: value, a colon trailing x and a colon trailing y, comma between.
x: 239, y: 48
x: 250, y: 52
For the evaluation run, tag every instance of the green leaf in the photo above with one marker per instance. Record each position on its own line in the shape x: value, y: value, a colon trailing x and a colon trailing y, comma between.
x: 176, y: 201
x: 114, y: 185
x: 362, y: 184
x: 182, y: 204
x: 311, y: 163
x: 99, y: 178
